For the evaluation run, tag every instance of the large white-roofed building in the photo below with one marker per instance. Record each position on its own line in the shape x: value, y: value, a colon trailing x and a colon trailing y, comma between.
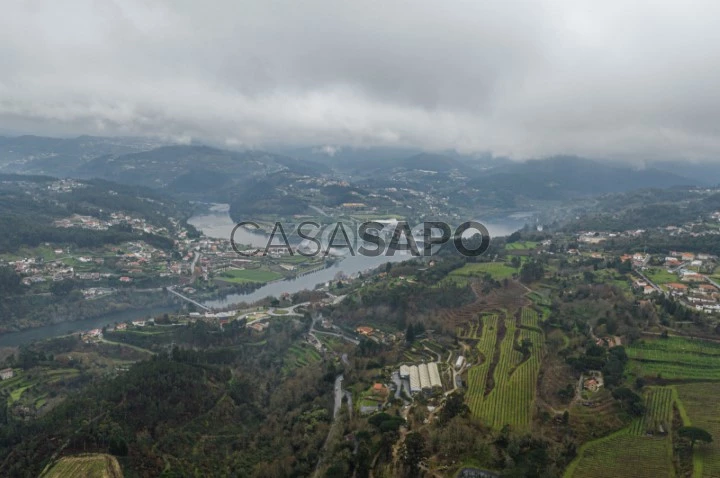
x: 434, y: 375
x: 415, y: 385
x: 404, y: 371
x: 424, y: 376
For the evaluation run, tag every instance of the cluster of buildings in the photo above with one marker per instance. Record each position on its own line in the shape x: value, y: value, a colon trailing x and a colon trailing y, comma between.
x: 64, y: 185
x: 692, y: 286
x: 131, y: 259
x: 116, y: 218
x: 93, y: 335
x: 36, y: 270
x: 423, y: 378
x: 597, y: 237
x: 378, y: 336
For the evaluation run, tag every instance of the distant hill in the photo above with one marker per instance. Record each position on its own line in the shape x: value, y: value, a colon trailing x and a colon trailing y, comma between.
x: 61, y: 156
x: 438, y: 163
x: 701, y: 172
x: 565, y: 177
x: 193, y: 169
x: 345, y: 158
x: 364, y: 161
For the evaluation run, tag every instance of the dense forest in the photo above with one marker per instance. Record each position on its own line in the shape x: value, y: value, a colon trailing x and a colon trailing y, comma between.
x: 217, y: 412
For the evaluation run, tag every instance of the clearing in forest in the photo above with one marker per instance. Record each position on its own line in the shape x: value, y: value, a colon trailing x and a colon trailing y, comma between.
x: 96, y: 465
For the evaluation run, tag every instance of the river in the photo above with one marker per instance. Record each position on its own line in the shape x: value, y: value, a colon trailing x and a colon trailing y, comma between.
x: 63, y: 328
x: 217, y: 224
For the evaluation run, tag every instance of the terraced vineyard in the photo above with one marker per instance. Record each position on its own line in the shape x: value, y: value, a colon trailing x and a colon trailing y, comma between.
x: 477, y: 376
x: 658, y: 412
x: 514, y: 381
x: 676, y: 357
x: 624, y: 454
x: 529, y: 318
x: 300, y: 355
x: 700, y: 407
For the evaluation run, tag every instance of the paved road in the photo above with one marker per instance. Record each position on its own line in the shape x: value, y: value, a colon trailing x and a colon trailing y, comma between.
x: 312, y: 332
x: 712, y: 282
x: 339, y: 392
x: 652, y: 284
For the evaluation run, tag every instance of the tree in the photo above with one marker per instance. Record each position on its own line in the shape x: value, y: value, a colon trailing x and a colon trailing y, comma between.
x: 413, y: 452
x: 695, y: 434
x: 410, y: 334
x: 454, y: 405
x: 524, y: 347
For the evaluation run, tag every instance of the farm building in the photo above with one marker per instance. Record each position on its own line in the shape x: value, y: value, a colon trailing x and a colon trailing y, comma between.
x: 6, y: 373
x: 363, y: 330
x: 592, y: 385
x: 434, y: 375
x: 414, y: 379
x: 459, y: 362
x: 424, y: 377
x: 379, y: 389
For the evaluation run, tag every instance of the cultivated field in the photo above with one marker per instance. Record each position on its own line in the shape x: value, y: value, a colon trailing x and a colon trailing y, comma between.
x: 646, y: 444
x: 700, y: 407
x: 85, y: 466
x: 497, y: 270
x: 301, y: 354
x: 521, y: 245
x: 477, y: 375
x: 624, y: 454
x: 502, y: 389
x: 675, y: 358
x: 658, y: 413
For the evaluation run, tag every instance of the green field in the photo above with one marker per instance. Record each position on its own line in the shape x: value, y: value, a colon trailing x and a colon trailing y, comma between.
x: 540, y: 297
x: 701, y: 407
x: 85, y: 466
x: 497, y: 270
x: 658, y: 412
x: 624, y: 454
x: 239, y: 276
x: 510, y: 401
x: 521, y: 245
x: 646, y: 443
x: 681, y: 358
x: 661, y: 276
x: 301, y: 354
x: 675, y: 357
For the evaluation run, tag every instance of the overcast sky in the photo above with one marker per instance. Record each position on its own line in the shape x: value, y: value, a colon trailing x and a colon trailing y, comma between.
x: 524, y: 79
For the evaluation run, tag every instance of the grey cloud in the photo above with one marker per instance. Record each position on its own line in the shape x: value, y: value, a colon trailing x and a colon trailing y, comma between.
x: 522, y: 78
